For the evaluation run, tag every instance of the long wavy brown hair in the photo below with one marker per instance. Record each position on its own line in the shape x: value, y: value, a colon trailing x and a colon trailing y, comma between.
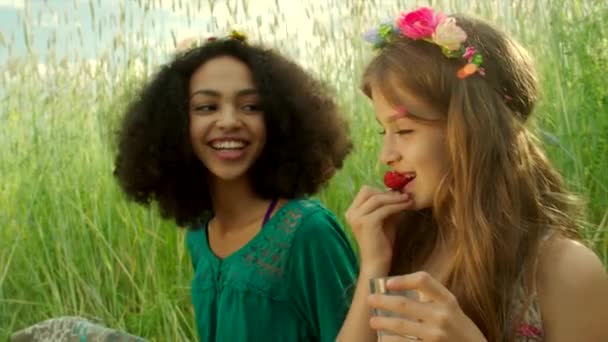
x: 501, y: 195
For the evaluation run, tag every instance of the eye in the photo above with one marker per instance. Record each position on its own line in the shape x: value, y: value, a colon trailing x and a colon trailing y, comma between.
x: 382, y: 132
x: 404, y: 131
x: 252, y: 108
x: 206, y: 108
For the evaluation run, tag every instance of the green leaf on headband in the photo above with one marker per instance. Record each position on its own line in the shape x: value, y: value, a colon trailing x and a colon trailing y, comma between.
x: 385, y: 30
x: 477, y: 59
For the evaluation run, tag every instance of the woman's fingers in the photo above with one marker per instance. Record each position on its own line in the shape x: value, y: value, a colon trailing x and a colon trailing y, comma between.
x: 363, y: 195
x: 407, y: 330
x: 401, y: 305
x: 430, y: 287
x: 380, y: 200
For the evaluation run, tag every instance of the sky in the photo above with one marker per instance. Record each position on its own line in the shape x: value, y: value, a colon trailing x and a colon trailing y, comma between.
x: 90, y: 29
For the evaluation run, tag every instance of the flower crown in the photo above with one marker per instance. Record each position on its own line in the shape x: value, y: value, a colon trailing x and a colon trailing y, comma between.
x: 192, y: 42
x: 436, y: 28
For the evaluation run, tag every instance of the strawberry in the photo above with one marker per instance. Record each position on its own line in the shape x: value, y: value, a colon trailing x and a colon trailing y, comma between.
x: 394, y: 180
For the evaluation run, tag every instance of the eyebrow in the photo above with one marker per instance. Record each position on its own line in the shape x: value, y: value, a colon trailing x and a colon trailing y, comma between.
x: 393, y: 118
x: 215, y: 93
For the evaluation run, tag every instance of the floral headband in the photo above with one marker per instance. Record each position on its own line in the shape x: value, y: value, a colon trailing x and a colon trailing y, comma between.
x: 191, y: 42
x: 436, y: 28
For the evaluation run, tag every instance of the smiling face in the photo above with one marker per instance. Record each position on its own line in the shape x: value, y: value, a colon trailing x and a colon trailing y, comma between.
x: 227, y: 127
x: 413, y: 147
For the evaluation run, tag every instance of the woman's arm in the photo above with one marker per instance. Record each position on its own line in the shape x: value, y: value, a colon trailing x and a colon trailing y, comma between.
x: 356, y: 326
x: 371, y: 216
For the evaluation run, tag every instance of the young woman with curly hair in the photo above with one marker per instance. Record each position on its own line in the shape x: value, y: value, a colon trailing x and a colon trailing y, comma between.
x: 229, y: 139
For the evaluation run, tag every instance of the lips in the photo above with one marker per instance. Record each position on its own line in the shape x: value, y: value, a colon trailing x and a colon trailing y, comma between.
x: 396, y: 181
x: 229, y: 148
x: 228, y: 144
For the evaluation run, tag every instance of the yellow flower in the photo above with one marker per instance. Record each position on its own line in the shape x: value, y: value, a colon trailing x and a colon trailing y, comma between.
x: 449, y: 35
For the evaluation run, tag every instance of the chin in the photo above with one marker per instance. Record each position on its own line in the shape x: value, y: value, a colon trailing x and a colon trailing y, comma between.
x: 228, y: 175
x: 421, y: 205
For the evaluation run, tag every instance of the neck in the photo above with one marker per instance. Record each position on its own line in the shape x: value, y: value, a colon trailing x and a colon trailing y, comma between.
x: 235, y: 204
x: 440, y: 262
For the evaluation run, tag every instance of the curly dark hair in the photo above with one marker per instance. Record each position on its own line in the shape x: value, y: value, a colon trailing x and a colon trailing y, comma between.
x: 307, y: 138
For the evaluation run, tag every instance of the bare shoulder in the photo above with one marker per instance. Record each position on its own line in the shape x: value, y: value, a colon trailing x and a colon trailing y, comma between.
x: 566, y: 259
x: 572, y: 287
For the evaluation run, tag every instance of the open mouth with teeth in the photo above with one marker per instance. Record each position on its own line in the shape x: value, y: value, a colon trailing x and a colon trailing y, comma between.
x: 228, y: 144
x: 228, y: 148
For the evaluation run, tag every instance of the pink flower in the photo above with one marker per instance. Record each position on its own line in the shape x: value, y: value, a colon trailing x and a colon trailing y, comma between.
x: 420, y: 23
x: 469, y: 52
x: 529, y: 330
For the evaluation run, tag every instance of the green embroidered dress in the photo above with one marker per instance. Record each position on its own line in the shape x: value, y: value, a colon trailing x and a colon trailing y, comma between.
x: 292, y: 282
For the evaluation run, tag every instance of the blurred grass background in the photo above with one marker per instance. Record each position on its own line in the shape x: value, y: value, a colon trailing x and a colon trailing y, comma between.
x: 69, y: 242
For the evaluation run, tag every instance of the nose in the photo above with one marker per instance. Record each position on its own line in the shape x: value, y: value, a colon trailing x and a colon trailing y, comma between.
x: 389, y: 155
x: 228, y: 118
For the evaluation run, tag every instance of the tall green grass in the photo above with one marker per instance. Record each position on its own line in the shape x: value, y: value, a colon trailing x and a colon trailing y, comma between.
x: 71, y: 245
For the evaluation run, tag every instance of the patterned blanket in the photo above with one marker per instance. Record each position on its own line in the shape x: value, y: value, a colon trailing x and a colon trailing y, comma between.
x: 71, y: 329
